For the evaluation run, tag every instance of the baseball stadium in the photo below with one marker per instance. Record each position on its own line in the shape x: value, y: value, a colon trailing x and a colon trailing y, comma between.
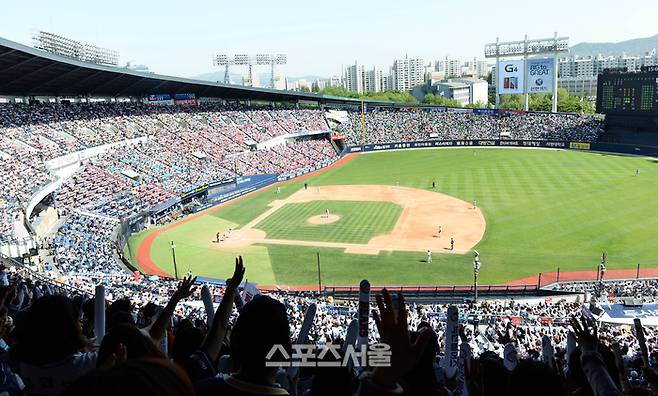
x: 134, y: 204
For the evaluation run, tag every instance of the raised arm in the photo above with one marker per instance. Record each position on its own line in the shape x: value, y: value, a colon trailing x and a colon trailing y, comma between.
x: 160, y: 325
x: 590, y: 359
x: 213, y: 342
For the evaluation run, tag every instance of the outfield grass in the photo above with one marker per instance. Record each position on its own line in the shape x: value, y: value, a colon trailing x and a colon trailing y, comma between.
x: 359, y: 221
x: 544, y: 209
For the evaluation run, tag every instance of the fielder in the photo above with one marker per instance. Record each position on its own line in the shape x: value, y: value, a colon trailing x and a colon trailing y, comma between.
x: 438, y: 234
x: 429, y: 257
x: 278, y: 190
x: 475, y: 203
x: 637, y: 172
x: 326, y: 213
x: 452, y: 243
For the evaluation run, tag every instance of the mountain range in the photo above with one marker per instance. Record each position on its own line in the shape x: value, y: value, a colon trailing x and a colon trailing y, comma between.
x: 633, y: 47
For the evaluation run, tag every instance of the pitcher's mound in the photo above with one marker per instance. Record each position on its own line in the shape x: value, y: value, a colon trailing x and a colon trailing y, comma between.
x: 323, y: 219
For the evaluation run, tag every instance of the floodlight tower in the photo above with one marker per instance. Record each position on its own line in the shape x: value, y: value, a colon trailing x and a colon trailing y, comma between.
x: 244, y: 60
x: 267, y: 59
x: 223, y: 60
x: 249, y: 61
x: 63, y: 46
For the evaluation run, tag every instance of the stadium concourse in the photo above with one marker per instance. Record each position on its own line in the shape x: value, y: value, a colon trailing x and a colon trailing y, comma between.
x: 83, y: 324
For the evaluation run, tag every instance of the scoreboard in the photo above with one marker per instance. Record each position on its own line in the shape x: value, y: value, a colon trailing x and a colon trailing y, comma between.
x: 628, y: 93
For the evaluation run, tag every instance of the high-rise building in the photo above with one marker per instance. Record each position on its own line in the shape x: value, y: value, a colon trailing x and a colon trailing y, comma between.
x: 453, y: 67
x: 354, y: 78
x: 650, y: 58
x: 407, y: 73
x: 386, y: 83
x: 336, y: 81
x: 588, y: 66
x: 373, y: 80
x: 481, y: 68
x: 280, y: 82
x: 319, y: 85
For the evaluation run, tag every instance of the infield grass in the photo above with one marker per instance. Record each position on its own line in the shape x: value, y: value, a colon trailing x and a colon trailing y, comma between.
x: 544, y: 209
x: 359, y: 221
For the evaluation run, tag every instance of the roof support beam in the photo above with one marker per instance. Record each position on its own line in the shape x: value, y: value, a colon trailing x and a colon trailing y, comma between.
x: 117, y: 76
x: 19, y: 64
x: 7, y: 53
x: 52, y: 80
x: 33, y: 72
x: 127, y: 88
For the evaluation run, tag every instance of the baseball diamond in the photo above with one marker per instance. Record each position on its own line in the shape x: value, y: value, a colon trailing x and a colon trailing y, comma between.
x: 543, y: 209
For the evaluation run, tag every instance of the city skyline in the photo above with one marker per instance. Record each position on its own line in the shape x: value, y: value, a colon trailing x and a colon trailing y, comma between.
x: 181, y: 41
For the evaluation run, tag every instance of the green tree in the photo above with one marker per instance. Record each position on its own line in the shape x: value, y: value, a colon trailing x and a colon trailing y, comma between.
x: 477, y: 105
x: 392, y: 96
x: 512, y: 101
x: 439, y: 100
x: 566, y: 102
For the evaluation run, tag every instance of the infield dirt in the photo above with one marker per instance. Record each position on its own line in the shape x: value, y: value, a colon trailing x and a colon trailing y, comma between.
x: 416, y: 229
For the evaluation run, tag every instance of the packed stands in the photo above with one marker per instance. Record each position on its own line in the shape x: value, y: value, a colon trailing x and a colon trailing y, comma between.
x: 386, y: 126
x: 162, y: 151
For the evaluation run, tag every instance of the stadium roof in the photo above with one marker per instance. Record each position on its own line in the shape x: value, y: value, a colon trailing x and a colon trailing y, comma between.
x: 26, y: 71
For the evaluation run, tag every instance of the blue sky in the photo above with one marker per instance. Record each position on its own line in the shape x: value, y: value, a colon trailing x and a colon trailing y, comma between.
x: 180, y: 37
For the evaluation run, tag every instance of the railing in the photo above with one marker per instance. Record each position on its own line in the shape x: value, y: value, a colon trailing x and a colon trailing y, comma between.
x: 548, y: 279
x: 435, y: 289
x: 448, y: 293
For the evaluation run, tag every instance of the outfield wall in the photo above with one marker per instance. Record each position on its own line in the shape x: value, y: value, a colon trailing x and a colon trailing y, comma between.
x: 649, y: 151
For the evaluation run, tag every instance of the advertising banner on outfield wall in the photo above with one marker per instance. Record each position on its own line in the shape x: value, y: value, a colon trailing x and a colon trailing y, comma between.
x: 510, y: 77
x: 456, y: 143
x: 540, y: 75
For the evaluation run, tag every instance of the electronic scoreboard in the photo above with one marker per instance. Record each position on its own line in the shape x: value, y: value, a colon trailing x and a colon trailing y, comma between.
x: 628, y: 93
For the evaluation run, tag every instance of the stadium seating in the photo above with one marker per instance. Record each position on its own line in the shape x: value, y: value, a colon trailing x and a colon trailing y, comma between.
x: 165, y: 158
x: 386, y: 126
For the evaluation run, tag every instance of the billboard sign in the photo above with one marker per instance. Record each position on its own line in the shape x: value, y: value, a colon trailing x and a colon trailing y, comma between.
x: 510, y: 77
x: 540, y: 75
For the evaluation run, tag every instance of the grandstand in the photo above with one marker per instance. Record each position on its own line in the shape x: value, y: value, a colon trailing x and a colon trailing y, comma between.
x: 78, y: 175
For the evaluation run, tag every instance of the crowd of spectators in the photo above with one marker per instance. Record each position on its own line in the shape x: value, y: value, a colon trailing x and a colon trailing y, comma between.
x: 388, y: 126
x: 51, y: 344
x: 83, y: 245
x: 641, y: 289
x: 162, y: 151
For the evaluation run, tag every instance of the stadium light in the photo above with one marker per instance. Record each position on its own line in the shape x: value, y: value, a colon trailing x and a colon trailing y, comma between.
x: 173, y: 253
x: 69, y: 48
x: 249, y: 60
x: 223, y: 60
x: 476, y: 271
